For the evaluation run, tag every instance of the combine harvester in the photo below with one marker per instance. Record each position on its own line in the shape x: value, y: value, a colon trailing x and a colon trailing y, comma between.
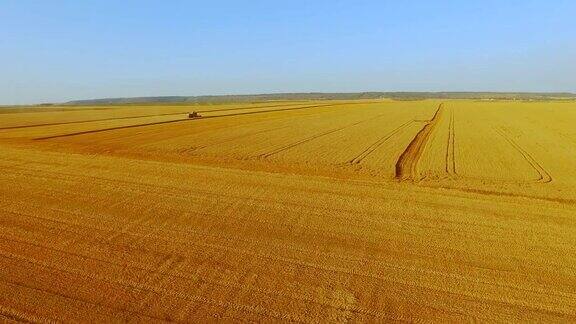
x: 194, y: 115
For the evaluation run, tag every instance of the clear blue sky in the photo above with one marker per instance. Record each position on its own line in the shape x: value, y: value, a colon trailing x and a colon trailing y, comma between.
x: 58, y: 50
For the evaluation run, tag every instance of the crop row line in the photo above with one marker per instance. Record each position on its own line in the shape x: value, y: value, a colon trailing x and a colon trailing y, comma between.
x: 543, y: 175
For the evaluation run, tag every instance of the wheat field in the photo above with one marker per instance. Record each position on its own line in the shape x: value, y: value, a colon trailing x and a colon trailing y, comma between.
x: 308, y: 211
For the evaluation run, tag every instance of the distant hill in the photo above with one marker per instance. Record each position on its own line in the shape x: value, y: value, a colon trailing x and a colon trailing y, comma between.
x: 329, y: 96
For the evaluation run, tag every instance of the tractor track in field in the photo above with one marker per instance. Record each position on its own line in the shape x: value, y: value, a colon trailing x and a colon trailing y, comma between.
x: 233, y: 139
x: 285, y: 109
x: 134, y: 117
x: 370, y: 149
x: 407, y: 164
x: 185, y: 120
x: 313, y: 137
x: 90, y: 121
x: 543, y: 175
x: 450, y: 148
x: 191, y: 149
x: 110, y: 129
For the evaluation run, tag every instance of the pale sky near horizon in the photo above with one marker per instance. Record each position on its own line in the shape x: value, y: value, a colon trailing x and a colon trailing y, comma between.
x: 60, y: 50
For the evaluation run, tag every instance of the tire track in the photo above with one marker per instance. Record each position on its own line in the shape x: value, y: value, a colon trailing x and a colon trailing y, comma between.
x: 450, y: 154
x: 90, y: 121
x: 255, y: 122
x: 232, y: 139
x: 9, y: 314
x: 378, y: 143
x: 285, y: 109
x: 140, y: 116
x: 497, y: 193
x: 111, y: 129
x: 308, y: 139
x: 175, y: 274
x: 161, y: 115
x: 250, y: 107
x: 187, y: 119
x: 543, y: 175
x: 407, y: 164
x: 249, y: 123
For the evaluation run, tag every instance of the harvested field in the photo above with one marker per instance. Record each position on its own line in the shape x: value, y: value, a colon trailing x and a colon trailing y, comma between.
x: 309, y: 211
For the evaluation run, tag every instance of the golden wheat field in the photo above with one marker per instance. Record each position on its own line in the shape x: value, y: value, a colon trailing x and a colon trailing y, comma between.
x: 309, y: 211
